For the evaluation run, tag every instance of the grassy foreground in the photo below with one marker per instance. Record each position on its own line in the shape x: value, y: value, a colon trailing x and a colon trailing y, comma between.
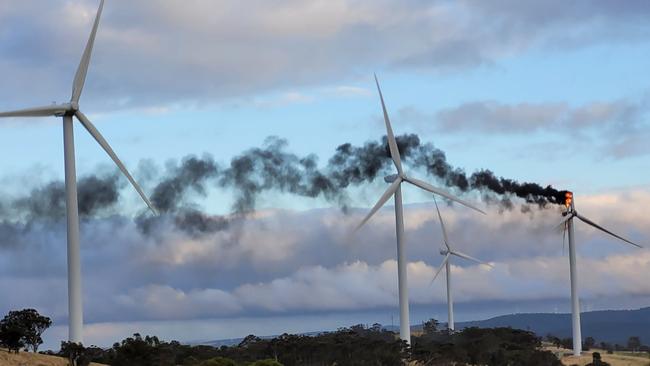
x: 32, y: 359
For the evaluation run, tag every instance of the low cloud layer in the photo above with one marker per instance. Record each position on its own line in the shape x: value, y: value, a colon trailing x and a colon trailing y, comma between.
x: 208, y: 265
x: 282, y: 256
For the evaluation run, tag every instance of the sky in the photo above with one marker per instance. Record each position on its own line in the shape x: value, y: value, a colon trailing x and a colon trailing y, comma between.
x: 547, y: 92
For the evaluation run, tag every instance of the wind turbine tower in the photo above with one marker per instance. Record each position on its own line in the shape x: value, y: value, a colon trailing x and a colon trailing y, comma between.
x: 395, y: 190
x: 568, y: 224
x: 67, y: 111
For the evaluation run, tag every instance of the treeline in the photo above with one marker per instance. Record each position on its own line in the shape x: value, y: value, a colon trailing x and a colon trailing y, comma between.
x: 357, y: 345
x: 634, y: 344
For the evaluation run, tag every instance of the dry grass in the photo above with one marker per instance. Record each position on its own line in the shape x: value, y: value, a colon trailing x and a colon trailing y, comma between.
x: 615, y: 359
x: 32, y: 359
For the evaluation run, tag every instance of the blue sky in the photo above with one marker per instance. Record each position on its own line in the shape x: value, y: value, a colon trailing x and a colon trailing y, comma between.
x: 315, y: 119
x: 551, y: 93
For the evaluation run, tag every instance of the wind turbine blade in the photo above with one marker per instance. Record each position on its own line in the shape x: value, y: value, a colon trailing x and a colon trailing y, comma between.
x: 432, y: 189
x: 589, y: 222
x: 52, y: 110
x: 564, y: 221
x: 463, y: 255
x: 442, y: 265
x: 389, y: 192
x: 82, y: 70
x: 442, y: 225
x: 392, y: 144
x: 102, y: 142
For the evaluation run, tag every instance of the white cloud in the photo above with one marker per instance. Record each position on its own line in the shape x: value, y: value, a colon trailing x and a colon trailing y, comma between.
x: 200, y: 51
x: 282, y: 262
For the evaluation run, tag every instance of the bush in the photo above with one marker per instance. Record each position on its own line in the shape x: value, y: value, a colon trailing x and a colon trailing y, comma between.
x: 75, y: 353
x: 218, y: 361
x: 267, y: 362
x: 476, y: 346
x: 597, y: 361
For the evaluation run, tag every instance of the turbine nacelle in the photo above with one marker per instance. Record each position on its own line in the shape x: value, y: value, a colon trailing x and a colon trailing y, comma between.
x: 64, y: 110
x: 391, y: 178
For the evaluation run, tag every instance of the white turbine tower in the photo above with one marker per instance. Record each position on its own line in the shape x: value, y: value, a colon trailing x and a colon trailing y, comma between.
x: 567, y: 222
x: 395, y: 189
x: 448, y: 252
x: 67, y: 111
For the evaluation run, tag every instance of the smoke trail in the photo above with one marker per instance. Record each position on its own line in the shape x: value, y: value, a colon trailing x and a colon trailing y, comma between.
x: 273, y: 168
x: 356, y: 165
x: 192, y: 174
x: 96, y: 194
x: 170, y: 196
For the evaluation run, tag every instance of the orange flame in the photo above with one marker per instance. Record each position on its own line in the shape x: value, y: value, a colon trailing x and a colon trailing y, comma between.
x: 568, y: 199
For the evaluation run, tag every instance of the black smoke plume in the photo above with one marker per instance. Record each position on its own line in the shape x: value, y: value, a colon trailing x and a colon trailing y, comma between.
x: 352, y: 165
x: 191, y: 175
x: 273, y: 168
x: 96, y: 195
x: 170, y: 198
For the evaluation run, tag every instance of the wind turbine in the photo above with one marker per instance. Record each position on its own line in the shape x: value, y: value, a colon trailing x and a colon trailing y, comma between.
x: 448, y: 252
x: 67, y: 111
x: 567, y: 222
x: 395, y: 189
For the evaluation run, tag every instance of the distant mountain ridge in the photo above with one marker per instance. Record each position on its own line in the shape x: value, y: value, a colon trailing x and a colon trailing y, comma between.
x: 613, y: 326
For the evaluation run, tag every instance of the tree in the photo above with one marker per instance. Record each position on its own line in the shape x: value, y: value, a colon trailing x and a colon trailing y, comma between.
x: 24, y: 328
x: 75, y: 353
x: 11, y: 337
x: 430, y: 326
x: 35, y: 324
x: 482, y: 346
x: 589, y: 343
x: 249, y: 340
x: 557, y: 342
x: 634, y: 343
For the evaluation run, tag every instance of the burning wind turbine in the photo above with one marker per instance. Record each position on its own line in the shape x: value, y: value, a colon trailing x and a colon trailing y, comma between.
x: 568, y: 225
